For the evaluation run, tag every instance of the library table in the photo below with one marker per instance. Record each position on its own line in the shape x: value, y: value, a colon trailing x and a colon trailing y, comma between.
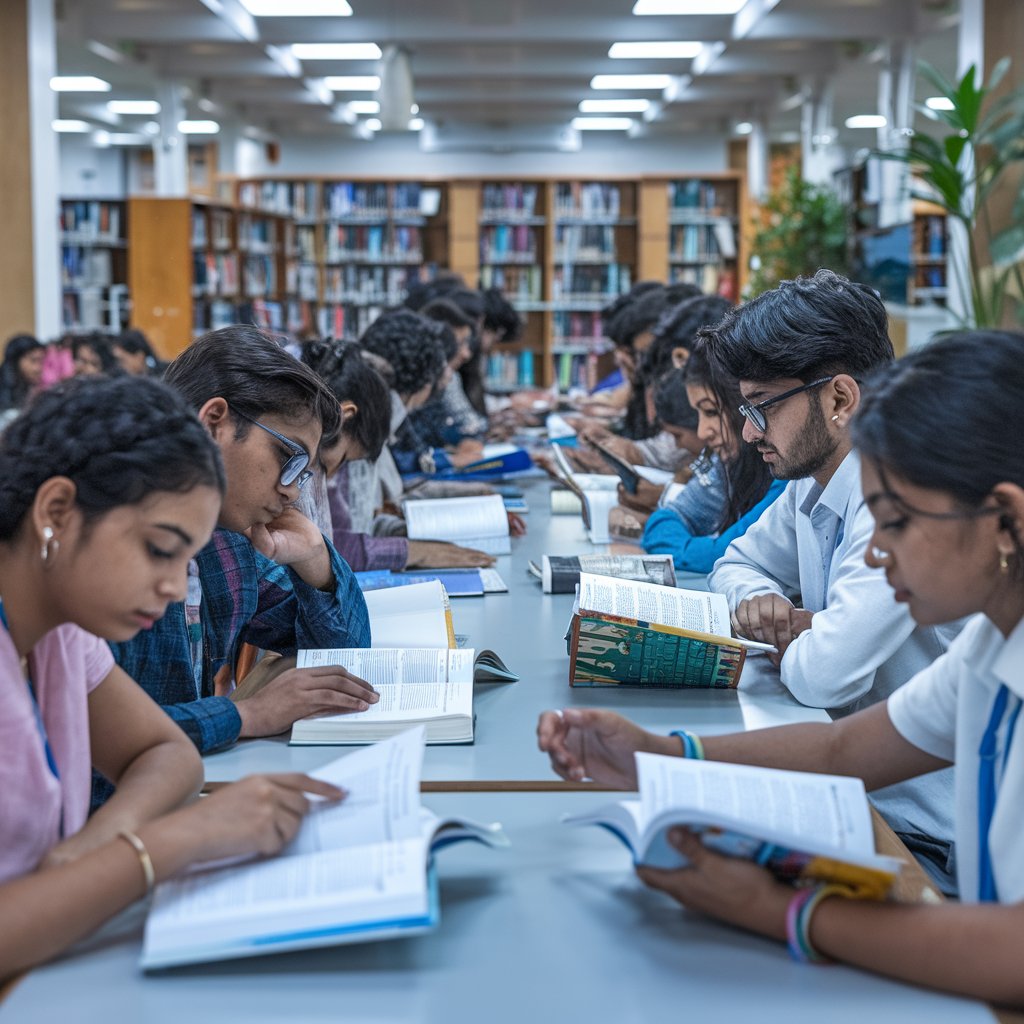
x: 554, y: 928
x: 526, y: 627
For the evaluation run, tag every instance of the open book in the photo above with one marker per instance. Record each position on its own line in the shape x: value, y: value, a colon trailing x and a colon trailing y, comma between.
x: 642, y: 634
x: 496, y: 460
x: 456, y: 582
x: 432, y: 687
x: 357, y: 871
x: 798, y: 824
x: 560, y: 574
x: 479, y: 522
x: 597, y: 494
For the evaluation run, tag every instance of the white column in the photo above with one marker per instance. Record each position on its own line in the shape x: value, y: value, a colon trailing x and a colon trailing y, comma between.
x: 757, y: 158
x: 170, y: 147
x: 46, y: 263
x: 895, y: 104
x: 817, y: 136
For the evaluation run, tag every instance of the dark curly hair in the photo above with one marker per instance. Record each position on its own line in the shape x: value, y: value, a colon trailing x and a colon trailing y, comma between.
x: 411, y: 344
x: 13, y: 387
x: 352, y: 379
x: 118, y: 440
x: 248, y: 369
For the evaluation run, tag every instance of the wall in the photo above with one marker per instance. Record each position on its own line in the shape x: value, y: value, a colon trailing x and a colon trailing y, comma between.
x: 87, y: 170
x: 400, y: 155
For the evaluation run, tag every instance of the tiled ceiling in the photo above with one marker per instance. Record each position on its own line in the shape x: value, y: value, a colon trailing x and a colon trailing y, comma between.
x: 493, y: 64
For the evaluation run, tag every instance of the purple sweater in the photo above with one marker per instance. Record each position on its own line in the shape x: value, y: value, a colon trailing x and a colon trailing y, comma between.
x: 362, y: 551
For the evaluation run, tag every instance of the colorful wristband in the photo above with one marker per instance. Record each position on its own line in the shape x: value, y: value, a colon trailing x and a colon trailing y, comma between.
x: 798, y: 921
x: 692, y: 746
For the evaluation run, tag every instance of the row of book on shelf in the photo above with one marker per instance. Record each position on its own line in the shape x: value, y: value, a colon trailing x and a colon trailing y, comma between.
x: 501, y: 243
x: 386, y: 242
x: 602, y: 282
x: 710, y: 278
x: 700, y: 194
x: 211, y: 228
x: 91, y: 221
x: 587, y: 199
x: 508, y: 370
x: 702, y: 242
x: 381, y: 285
x: 514, y: 200
x: 94, y: 308
x: 86, y: 267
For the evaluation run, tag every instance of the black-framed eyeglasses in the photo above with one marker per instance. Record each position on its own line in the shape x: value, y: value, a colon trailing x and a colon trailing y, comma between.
x: 294, y: 470
x: 755, y: 413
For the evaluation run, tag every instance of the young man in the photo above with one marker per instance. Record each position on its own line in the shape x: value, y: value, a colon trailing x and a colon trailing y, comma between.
x: 267, y: 577
x: 799, y: 353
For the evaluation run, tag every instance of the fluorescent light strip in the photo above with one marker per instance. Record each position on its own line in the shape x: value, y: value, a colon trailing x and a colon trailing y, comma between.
x: 939, y: 103
x: 133, y: 106
x: 651, y: 83
x: 69, y: 125
x: 373, y: 123
x: 416, y: 124
x: 352, y: 83
x: 364, y: 106
x: 637, y: 106
x: 78, y: 83
x: 127, y: 139
x: 866, y: 121
x: 198, y: 127
x: 744, y: 128
x: 336, y: 51
x: 602, y: 124
x: 669, y: 50
x: 297, y: 8
x: 688, y: 6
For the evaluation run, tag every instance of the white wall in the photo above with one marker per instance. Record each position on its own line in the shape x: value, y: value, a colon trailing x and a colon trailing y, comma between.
x: 602, y: 154
x: 87, y: 170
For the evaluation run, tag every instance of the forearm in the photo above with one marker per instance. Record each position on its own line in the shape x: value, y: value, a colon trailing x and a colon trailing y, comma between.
x: 970, y: 950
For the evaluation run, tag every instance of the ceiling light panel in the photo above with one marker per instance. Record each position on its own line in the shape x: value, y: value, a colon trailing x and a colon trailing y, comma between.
x: 602, y: 124
x: 644, y: 82
x: 68, y: 125
x: 624, y: 106
x: 78, y: 83
x: 297, y: 8
x: 866, y: 121
x: 149, y: 107
x: 198, y: 127
x: 352, y: 83
x: 706, y: 7
x: 664, y: 50
x: 336, y: 51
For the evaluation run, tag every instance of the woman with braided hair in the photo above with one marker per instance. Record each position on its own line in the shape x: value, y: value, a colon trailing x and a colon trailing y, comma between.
x: 107, y: 489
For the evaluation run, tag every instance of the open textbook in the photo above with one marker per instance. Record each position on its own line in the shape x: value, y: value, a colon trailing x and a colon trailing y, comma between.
x: 625, y: 632
x: 800, y: 825
x: 560, y: 574
x: 356, y: 871
x: 432, y: 687
x: 478, y: 522
x: 597, y: 494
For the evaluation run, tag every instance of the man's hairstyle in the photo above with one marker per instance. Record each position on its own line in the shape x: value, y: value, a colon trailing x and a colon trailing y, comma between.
x: 804, y: 329
x: 248, y: 369
x: 500, y: 316
x: 444, y: 311
x: 117, y: 439
x: 351, y: 378
x: 412, y: 346
x: 469, y: 300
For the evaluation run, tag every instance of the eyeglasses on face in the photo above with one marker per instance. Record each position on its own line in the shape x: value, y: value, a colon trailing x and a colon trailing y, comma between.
x: 294, y: 470
x: 755, y: 413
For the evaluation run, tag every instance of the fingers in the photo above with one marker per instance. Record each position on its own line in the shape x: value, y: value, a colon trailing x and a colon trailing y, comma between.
x: 551, y: 735
x: 301, y: 783
x: 343, y: 681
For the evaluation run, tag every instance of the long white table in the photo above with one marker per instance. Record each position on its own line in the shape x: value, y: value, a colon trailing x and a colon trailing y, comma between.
x: 555, y: 928
x: 526, y: 627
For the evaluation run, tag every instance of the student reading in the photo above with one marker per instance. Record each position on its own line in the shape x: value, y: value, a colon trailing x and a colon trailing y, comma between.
x: 267, y: 577
x: 109, y: 488
x: 948, y: 534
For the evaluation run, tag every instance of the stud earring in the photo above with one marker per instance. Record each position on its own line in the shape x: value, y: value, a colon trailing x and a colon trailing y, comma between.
x: 835, y: 419
x: 1004, y: 562
x: 50, y: 545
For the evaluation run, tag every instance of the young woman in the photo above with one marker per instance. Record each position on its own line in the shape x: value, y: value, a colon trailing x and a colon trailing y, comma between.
x: 948, y: 534
x: 21, y: 372
x: 107, y: 489
x: 135, y: 355
x: 94, y: 355
x: 729, y: 491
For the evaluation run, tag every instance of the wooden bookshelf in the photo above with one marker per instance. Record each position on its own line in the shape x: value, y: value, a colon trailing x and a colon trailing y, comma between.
x: 94, y: 265
x: 929, y: 248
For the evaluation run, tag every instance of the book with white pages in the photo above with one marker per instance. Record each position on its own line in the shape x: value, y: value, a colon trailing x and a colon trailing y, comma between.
x: 474, y: 522
x: 801, y: 825
x: 357, y: 871
x: 597, y: 492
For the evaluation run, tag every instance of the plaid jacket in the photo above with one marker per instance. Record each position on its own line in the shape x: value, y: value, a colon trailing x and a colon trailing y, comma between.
x: 246, y: 598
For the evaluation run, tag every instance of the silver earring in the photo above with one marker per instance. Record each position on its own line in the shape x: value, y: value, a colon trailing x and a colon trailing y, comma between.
x: 878, y: 554
x: 835, y: 419
x: 1004, y: 563
x: 50, y: 545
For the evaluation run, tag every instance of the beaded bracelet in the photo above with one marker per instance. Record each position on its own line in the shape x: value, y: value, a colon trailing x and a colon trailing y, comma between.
x: 144, y: 858
x: 692, y: 746
x: 798, y: 921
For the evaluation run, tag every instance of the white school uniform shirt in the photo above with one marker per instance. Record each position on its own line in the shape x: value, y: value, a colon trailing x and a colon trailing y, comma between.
x: 944, y: 711
x: 862, y: 644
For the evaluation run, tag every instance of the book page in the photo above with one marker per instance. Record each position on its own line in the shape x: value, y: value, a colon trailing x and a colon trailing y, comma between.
x: 411, y: 616
x: 456, y: 519
x: 648, y: 602
x: 599, y: 505
x: 804, y: 807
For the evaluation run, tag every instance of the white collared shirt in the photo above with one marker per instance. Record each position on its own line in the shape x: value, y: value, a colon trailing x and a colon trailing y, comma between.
x: 944, y: 711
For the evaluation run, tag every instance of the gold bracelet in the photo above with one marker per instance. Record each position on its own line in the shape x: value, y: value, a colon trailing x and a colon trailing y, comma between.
x: 144, y: 858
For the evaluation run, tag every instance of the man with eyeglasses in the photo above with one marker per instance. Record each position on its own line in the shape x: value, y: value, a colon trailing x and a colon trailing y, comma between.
x: 797, y: 578
x: 268, y: 577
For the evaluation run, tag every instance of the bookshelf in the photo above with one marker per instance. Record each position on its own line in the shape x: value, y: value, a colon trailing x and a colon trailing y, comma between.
x: 929, y: 246
x: 94, y: 272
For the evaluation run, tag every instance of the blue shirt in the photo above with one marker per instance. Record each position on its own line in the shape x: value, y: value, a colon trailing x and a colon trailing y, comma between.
x: 684, y: 529
x: 247, y: 598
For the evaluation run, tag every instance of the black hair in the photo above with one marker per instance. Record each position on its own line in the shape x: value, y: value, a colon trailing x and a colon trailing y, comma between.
x: 100, y: 343
x: 117, y: 439
x: 351, y: 378
x: 422, y: 292
x: 610, y: 312
x: 747, y: 476
x: 135, y: 343
x: 804, y: 329
x: 469, y: 300
x: 500, y: 316
x: 411, y: 344
x: 680, y: 291
x: 444, y: 311
x: 677, y: 328
x: 248, y: 369
x: 671, y: 404
x: 13, y: 387
x: 638, y: 315
x: 942, y: 417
